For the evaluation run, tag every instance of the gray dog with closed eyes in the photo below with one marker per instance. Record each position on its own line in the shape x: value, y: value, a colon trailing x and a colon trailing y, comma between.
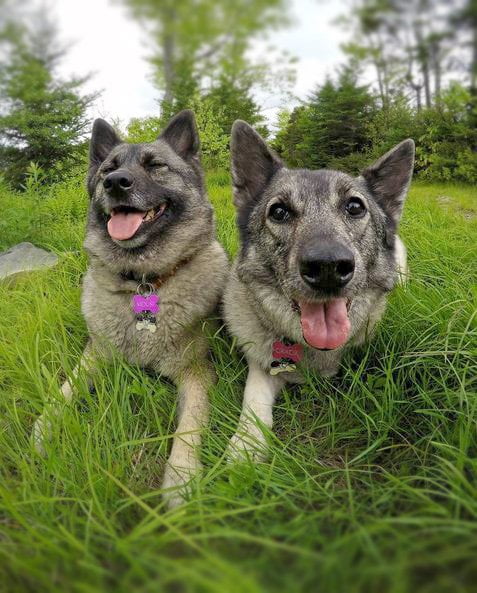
x: 156, y: 271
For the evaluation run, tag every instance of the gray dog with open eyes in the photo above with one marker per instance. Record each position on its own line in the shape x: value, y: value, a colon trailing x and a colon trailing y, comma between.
x: 319, y: 254
x: 156, y: 271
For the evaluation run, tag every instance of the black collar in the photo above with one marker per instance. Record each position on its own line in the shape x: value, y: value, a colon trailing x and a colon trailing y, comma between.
x: 153, y: 279
x: 133, y: 277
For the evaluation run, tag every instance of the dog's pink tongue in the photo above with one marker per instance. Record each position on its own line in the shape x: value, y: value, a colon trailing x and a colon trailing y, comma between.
x: 123, y: 225
x: 325, y: 325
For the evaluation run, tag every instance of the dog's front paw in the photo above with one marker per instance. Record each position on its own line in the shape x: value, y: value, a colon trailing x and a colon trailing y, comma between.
x: 248, y: 443
x: 41, y: 434
x: 178, y: 474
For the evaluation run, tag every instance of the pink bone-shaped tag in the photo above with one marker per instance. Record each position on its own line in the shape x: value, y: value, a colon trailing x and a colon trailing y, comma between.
x: 293, y: 352
x: 146, y: 303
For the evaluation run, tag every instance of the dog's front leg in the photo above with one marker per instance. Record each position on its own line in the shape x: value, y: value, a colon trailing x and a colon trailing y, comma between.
x: 193, y: 414
x: 42, y: 428
x: 261, y: 390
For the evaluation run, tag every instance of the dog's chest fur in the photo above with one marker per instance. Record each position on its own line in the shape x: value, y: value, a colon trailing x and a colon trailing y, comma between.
x: 186, y: 298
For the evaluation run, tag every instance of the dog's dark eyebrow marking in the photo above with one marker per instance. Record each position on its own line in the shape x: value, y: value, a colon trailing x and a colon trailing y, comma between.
x: 150, y: 155
x: 110, y: 160
x: 345, y: 186
x: 281, y: 194
x: 116, y: 155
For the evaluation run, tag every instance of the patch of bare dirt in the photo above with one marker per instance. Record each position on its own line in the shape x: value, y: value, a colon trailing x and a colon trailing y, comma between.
x: 465, y: 212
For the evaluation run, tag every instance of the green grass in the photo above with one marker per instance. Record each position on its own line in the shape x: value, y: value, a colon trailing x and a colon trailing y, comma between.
x: 371, y: 483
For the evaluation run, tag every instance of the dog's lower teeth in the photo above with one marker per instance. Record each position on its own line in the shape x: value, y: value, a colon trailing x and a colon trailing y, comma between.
x: 149, y: 215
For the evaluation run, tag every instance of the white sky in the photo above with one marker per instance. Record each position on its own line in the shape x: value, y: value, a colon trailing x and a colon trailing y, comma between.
x: 108, y: 43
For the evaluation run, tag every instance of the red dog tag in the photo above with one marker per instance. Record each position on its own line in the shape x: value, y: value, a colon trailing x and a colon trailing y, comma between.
x: 293, y: 352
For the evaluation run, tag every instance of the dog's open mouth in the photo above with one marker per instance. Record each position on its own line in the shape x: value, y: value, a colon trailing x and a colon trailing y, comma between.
x: 125, y: 221
x: 325, y: 325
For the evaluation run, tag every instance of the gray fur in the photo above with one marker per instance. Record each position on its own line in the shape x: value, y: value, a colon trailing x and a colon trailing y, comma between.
x: 265, y: 279
x: 180, y: 246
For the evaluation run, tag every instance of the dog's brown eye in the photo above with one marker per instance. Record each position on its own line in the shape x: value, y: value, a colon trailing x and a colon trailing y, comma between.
x: 355, y: 207
x: 279, y: 213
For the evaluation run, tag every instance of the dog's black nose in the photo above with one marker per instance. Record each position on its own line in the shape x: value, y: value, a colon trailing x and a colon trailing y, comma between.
x: 118, y: 181
x: 327, y: 265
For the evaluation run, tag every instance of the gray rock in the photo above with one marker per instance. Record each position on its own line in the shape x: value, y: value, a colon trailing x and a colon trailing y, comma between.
x: 25, y: 257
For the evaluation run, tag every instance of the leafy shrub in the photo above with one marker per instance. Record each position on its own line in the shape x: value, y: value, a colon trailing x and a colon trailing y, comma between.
x: 34, y: 177
x: 339, y: 128
x: 214, y: 142
x: 145, y: 129
x: 466, y: 165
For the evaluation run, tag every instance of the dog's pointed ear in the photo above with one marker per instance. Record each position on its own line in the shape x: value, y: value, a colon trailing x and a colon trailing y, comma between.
x: 253, y: 163
x: 389, y: 177
x: 181, y: 134
x: 103, y: 140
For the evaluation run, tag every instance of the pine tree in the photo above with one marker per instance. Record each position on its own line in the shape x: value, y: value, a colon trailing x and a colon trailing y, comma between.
x: 332, y: 125
x: 289, y: 140
x: 43, y: 118
x: 233, y: 99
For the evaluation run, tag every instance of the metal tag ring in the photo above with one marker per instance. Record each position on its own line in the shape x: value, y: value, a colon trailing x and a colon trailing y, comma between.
x: 145, y: 289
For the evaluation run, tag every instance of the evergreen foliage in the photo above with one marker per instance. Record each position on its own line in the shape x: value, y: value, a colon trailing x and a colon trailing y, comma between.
x: 333, y: 124
x: 43, y: 118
